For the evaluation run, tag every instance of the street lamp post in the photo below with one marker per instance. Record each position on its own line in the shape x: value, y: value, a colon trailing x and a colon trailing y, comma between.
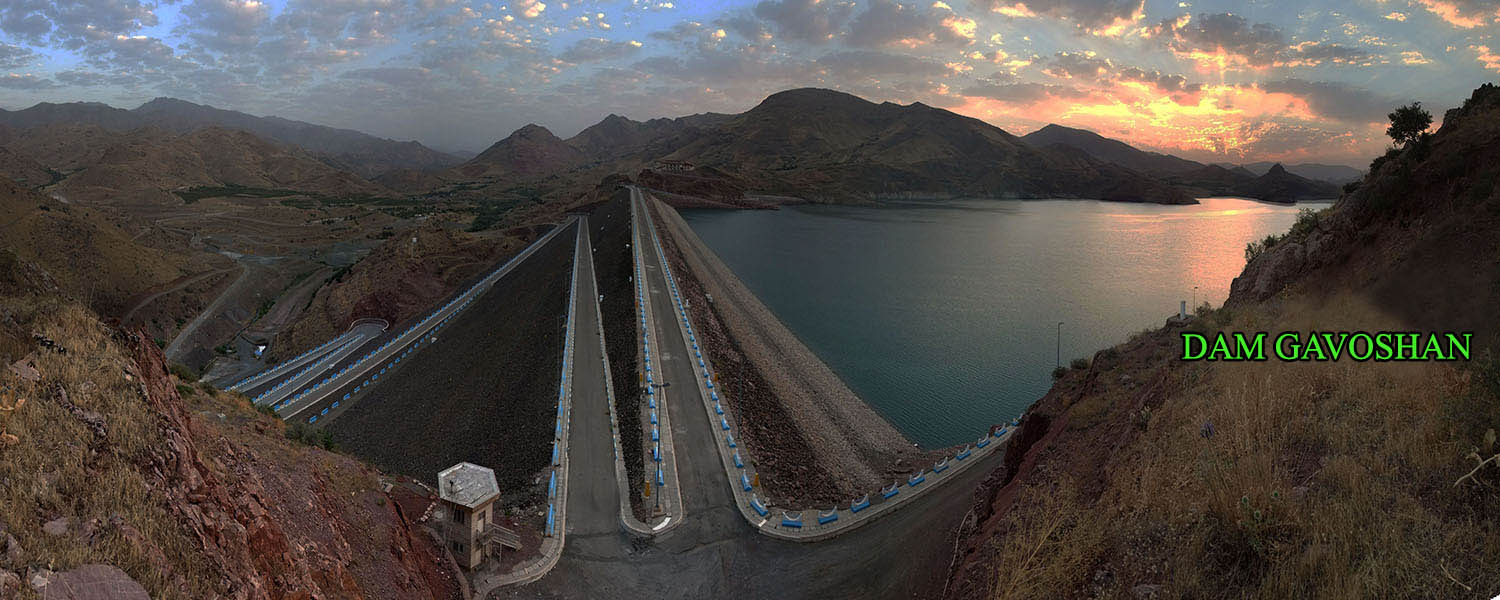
x: 1195, y: 298
x: 1059, y: 343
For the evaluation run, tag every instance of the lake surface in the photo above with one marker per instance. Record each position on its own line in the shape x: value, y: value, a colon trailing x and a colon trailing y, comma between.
x: 943, y: 315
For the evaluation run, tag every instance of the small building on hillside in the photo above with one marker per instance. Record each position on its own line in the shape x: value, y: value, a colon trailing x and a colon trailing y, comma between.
x: 466, y: 517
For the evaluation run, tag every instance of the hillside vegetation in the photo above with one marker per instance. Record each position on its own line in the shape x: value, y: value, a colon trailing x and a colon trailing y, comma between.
x: 1139, y: 475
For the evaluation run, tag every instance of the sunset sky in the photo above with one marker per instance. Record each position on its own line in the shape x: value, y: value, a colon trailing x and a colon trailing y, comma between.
x: 1208, y: 80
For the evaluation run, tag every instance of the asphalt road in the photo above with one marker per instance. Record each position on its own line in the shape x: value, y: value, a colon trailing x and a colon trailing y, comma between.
x: 593, y: 497
x: 715, y: 553
x: 347, y: 346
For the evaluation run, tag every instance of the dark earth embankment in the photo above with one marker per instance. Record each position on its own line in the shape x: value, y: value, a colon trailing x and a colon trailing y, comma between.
x: 609, y: 226
x: 485, y: 392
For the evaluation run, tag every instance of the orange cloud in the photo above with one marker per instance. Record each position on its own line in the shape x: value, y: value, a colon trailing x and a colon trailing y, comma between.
x: 1461, y: 16
x: 1489, y: 58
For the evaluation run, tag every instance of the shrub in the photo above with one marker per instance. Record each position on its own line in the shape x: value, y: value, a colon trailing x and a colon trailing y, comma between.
x: 316, y: 437
x: 1059, y: 372
x: 1391, y: 153
x: 183, y: 372
x: 1080, y: 363
x: 184, y: 390
x: 1307, y: 220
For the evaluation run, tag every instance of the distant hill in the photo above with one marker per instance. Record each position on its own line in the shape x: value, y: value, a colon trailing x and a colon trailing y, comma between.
x: 361, y: 153
x: 1111, y: 150
x: 1274, y: 183
x: 617, y: 136
x: 529, y: 151
x: 1331, y: 173
x: 1280, y: 185
x: 84, y: 255
x: 150, y: 164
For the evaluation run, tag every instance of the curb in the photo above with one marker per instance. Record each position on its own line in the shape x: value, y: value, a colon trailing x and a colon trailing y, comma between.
x: 790, y: 524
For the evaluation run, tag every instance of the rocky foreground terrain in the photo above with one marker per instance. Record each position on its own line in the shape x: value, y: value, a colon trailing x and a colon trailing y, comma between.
x: 121, y: 474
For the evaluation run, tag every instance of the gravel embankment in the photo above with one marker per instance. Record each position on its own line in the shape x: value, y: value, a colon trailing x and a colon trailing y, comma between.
x: 814, y: 440
x: 614, y: 267
x: 485, y: 392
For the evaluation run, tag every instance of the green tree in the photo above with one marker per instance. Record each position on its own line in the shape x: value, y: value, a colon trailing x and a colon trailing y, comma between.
x: 1408, y: 123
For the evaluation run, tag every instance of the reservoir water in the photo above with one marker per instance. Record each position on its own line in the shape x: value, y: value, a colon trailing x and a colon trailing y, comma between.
x: 943, y: 315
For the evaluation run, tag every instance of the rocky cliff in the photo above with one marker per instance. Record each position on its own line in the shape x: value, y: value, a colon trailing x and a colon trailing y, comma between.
x: 124, y: 474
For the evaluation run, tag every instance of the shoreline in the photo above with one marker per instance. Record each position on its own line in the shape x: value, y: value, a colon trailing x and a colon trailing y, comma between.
x: 826, y: 423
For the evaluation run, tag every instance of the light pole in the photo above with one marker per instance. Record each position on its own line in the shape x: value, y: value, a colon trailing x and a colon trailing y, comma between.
x: 1059, y: 343
x: 1195, y: 298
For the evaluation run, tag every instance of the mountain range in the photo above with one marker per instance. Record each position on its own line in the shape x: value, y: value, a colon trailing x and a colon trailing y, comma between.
x: 809, y: 143
x: 832, y: 146
x: 363, y: 154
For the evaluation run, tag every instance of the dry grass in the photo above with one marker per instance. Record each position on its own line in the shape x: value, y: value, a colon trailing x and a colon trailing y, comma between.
x: 61, y: 468
x: 1326, y: 480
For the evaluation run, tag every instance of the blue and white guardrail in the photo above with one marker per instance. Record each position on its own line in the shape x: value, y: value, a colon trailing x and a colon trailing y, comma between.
x: 462, y: 301
x: 791, y: 525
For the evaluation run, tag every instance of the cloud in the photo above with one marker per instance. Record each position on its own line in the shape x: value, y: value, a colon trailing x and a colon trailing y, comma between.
x: 888, y: 23
x: 860, y: 64
x: 1487, y: 57
x: 531, y: 9
x: 74, y: 23
x: 91, y: 79
x: 1076, y: 65
x: 1464, y: 14
x: 717, y: 66
x: 15, y: 57
x: 1413, y: 57
x: 811, y: 21
x: 401, y: 77
x: 1021, y: 93
x: 1108, y: 17
x: 26, y: 81
x: 1226, y: 41
x: 596, y: 49
x: 1334, y: 100
x: 225, y: 25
